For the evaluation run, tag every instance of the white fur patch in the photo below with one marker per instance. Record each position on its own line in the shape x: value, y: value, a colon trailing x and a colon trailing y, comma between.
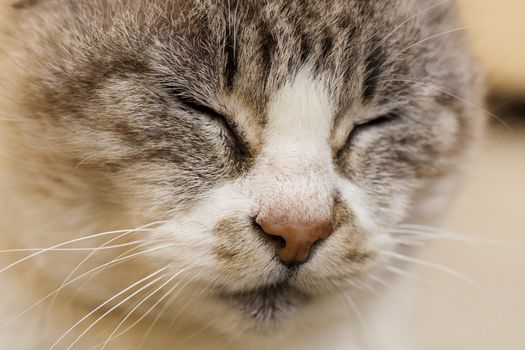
x: 294, y: 172
x: 300, y: 114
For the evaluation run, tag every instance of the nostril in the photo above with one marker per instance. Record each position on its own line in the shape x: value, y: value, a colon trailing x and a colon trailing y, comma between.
x: 278, y: 241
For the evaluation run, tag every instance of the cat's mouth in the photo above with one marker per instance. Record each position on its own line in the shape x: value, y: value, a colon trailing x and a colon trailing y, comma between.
x: 269, y: 303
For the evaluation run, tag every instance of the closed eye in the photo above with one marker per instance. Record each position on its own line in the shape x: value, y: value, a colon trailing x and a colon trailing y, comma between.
x: 235, y: 141
x: 361, y: 127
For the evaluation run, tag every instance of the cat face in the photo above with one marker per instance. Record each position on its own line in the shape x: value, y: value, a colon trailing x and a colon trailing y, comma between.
x: 273, y: 146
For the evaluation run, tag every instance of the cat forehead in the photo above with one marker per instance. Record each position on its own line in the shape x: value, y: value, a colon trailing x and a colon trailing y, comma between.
x: 250, y: 49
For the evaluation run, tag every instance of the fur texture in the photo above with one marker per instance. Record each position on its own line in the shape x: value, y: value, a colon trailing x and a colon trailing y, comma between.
x: 188, y: 120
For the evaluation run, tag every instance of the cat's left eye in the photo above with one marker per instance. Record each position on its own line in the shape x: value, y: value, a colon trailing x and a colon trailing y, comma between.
x: 235, y: 139
x: 363, y: 126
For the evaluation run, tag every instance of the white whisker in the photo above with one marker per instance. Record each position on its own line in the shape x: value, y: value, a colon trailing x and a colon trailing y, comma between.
x: 163, y: 310
x: 196, y: 333
x: 94, y: 252
x: 387, y: 286
x: 408, y: 20
x: 436, y: 233
x: 114, y: 262
x: 112, y: 309
x: 409, y: 241
x: 470, y: 104
x: 438, y: 267
x: 435, y: 36
x: 359, y: 316
x: 75, y: 241
x: 111, y: 247
x: 111, y: 336
x: 414, y: 276
x: 188, y: 303
x: 81, y: 276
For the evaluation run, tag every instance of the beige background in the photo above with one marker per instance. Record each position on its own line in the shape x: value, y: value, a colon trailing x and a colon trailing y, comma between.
x: 451, y: 314
x: 497, y: 29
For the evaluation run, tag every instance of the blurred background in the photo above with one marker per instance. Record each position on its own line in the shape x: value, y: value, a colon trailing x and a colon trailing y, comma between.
x: 449, y: 313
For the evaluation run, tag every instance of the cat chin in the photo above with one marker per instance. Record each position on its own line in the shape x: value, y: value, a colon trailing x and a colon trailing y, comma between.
x: 276, y: 313
x: 268, y: 306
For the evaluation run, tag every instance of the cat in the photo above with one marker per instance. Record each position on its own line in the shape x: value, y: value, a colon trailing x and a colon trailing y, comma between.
x: 223, y: 174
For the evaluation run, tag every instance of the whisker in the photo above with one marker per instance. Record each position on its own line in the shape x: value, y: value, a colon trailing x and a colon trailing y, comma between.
x: 164, y: 308
x: 416, y: 237
x: 180, y: 344
x: 92, y: 253
x: 408, y: 20
x: 413, y: 236
x: 359, y: 316
x: 111, y: 336
x: 379, y: 280
x: 113, y: 308
x: 432, y: 86
x: 419, y: 233
x: 414, y: 276
x: 446, y: 234
x: 111, y: 247
x: 169, y: 292
x: 435, y: 36
x: 78, y: 240
x: 438, y: 267
x: 438, y: 290
x: 387, y: 286
x: 398, y: 301
x: 360, y: 286
x: 411, y: 242
x: 188, y: 303
x: 114, y: 262
x: 81, y: 276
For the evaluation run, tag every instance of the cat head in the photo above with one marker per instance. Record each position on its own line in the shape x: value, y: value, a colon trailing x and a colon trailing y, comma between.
x: 264, y: 150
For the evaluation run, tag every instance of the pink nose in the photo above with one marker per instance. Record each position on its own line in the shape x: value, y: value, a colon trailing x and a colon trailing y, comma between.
x: 298, y: 238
